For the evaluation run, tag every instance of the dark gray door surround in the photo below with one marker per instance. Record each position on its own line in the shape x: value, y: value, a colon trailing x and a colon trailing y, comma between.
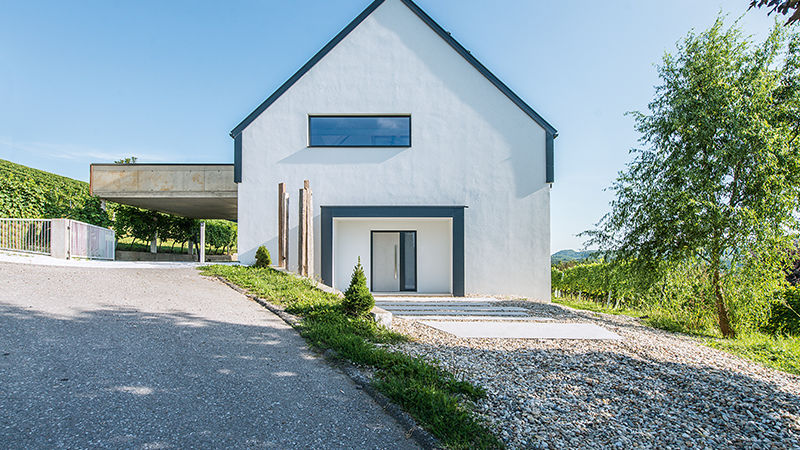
x: 399, y: 212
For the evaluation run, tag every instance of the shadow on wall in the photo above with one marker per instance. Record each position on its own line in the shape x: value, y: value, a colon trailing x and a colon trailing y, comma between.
x: 342, y: 155
x: 120, y: 377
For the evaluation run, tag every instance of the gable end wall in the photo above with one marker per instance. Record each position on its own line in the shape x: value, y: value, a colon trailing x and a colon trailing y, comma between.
x: 471, y: 145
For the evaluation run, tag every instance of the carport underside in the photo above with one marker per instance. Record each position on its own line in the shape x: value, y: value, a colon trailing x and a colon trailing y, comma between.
x: 198, y: 191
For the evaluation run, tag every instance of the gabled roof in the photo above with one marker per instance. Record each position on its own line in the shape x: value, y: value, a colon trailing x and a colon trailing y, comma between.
x: 550, y: 130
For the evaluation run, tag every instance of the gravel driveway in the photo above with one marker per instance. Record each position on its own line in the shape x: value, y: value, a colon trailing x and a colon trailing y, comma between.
x: 160, y: 358
x: 652, y: 389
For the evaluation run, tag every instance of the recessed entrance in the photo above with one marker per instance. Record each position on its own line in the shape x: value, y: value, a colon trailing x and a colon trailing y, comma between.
x: 393, y: 261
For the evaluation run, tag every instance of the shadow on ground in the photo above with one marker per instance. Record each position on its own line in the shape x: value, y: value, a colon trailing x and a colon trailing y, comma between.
x: 119, y: 377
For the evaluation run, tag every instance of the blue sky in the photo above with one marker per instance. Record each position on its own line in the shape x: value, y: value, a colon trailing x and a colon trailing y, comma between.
x: 94, y: 81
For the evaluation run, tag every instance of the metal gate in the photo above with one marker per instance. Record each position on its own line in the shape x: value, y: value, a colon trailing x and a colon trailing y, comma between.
x: 25, y: 235
x: 90, y: 241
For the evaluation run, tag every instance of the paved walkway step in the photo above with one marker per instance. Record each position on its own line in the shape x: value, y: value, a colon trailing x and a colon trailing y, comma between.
x: 463, y: 313
x: 451, y: 308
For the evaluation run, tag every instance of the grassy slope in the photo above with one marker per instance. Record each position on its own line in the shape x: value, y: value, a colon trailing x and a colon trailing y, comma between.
x: 434, y: 397
x: 777, y: 352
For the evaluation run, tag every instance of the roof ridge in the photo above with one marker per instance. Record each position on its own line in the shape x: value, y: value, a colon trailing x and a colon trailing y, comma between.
x: 549, y: 129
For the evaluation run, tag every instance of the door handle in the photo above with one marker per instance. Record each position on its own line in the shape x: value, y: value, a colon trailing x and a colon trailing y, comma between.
x: 395, y: 262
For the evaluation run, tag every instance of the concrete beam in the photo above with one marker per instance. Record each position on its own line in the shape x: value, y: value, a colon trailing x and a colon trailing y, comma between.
x: 201, y: 191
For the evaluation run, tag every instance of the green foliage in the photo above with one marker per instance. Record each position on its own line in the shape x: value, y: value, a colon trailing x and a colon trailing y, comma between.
x: 358, y: 301
x: 142, y: 224
x: 778, y: 352
x: 717, y: 181
x: 784, y: 7
x: 784, y: 314
x: 35, y: 194
x: 263, y: 259
x: 435, y: 398
x: 138, y: 223
x: 221, y: 233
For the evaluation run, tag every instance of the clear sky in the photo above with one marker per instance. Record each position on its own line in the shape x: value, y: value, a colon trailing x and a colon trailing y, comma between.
x: 94, y: 81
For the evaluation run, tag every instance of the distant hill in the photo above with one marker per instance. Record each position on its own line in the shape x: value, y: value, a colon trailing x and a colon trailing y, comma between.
x: 570, y: 255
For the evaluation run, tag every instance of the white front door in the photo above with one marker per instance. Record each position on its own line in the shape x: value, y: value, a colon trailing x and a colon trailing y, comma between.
x: 385, y: 261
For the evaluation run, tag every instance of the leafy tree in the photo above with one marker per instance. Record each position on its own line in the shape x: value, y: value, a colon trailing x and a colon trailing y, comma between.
x: 220, y: 233
x: 358, y: 300
x: 718, y: 177
x: 129, y: 160
x: 141, y: 224
x: 781, y: 7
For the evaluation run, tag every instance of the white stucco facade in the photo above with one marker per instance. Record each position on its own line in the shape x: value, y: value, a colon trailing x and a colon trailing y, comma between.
x: 470, y: 145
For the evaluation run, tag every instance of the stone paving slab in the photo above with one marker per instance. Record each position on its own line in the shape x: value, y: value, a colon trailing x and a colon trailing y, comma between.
x: 453, y: 308
x: 524, y: 330
x: 479, y: 318
x: 407, y: 313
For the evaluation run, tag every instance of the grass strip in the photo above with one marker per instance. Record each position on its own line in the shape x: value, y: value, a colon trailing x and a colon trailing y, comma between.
x: 777, y: 352
x: 434, y: 397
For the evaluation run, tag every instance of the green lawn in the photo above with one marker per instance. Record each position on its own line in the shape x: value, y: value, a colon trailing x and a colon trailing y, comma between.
x: 436, y: 399
x: 777, y: 352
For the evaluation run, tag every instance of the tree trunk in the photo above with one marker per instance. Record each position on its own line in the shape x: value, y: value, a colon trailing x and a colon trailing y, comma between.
x: 722, y: 310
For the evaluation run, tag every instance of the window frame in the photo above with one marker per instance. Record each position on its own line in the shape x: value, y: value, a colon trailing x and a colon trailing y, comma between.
x: 339, y: 116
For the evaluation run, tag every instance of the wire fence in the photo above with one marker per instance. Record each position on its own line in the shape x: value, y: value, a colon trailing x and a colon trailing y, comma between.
x: 80, y: 239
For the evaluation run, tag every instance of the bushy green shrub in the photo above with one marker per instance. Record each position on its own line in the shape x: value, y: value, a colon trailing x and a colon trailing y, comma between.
x: 358, y: 301
x: 784, y: 317
x: 262, y: 257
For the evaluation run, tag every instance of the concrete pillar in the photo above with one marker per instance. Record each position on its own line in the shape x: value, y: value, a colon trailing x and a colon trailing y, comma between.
x: 154, y: 243
x: 202, y: 242
x: 59, y: 238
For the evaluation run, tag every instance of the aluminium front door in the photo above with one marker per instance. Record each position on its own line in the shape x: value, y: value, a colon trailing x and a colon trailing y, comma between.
x: 394, y: 261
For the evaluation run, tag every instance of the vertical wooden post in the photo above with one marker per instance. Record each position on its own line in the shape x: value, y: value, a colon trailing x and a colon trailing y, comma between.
x: 283, y: 225
x: 309, y: 230
x: 302, y: 243
x: 305, y: 234
x: 286, y: 231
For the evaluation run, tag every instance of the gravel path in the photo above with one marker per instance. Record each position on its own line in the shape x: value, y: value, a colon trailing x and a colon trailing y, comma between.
x: 148, y: 358
x: 652, y: 389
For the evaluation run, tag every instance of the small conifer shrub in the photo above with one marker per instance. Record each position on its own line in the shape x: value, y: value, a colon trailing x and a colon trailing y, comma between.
x: 358, y: 301
x: 262, y: 257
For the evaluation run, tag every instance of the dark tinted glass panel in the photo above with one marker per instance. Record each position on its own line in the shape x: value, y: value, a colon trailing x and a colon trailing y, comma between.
x: 385, y: 131
x: 408, y: 240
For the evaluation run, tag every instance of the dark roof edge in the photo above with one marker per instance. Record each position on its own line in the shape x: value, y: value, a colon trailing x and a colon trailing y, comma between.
x: 138, y: 164
x: 480, y: 67
x: 306, y: 67
x: 549, y: 129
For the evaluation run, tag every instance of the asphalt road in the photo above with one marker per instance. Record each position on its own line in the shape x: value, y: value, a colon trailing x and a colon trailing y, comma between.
x: 164, y: 358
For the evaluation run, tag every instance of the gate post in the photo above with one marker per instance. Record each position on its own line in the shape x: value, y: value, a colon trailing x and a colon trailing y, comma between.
x: 202, y: 242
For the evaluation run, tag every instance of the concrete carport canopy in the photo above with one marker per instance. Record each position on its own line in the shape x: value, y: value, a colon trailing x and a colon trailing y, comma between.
x: 199, y: 191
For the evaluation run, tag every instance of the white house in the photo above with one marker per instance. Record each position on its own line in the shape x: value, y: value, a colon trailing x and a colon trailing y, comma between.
x: 422, y: 163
